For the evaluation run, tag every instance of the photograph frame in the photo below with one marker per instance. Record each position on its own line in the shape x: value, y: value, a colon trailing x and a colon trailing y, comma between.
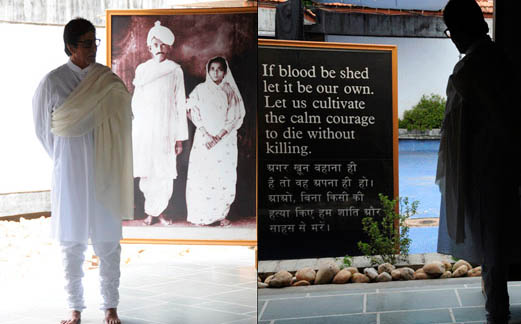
x: 167, y: 235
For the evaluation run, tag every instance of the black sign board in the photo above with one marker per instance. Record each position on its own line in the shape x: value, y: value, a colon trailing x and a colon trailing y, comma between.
x: 327, y: 145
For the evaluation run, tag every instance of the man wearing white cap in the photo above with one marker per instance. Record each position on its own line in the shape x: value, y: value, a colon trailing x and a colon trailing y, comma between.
x: 160, y: 123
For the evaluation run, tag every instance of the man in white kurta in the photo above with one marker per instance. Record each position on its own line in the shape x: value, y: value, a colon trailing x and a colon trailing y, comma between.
x: 160, y: 123
x: 78, y: 213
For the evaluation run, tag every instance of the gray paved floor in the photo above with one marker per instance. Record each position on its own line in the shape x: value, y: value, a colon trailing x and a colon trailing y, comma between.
x: 160, y: 285
x: 414, y: 302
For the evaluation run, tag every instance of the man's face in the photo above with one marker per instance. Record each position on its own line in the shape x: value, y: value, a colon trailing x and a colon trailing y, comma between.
x: 216, y: 72
x: 461, y: 39
x: 84, y: 53
x: 158, y: 49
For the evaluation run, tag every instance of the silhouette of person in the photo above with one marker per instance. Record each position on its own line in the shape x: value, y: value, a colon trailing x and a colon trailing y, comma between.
x: 478, y: 167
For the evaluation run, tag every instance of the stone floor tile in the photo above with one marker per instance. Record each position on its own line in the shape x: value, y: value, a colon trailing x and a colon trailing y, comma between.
x: 342, y: 292
x: 247, y: 272
x: 416, y: 259
x: 144, y: 281
x: 229, y: 307
x: 140, y: 293
x: 471, y: 297
x: 189, y: 288
x: 156, y: 300
x: 260, y: 305
x: 514, y: 292
x: 307, y: 263
x: 6, y: 317
x: 411, y: 300
x: 344, y: 319
x: 251, y: 284
x: 129, y: 303
x: 185, y: 315
x: 515, y: 313
x: 433, y: 256
x: 323, y: 261
x: 252, y: 314
x: 361, y: 262
x: 246, y: 297
x: 268, y: 266
x: 412, y: 289
x: 288, y: 265
x: 244, y: 321
x: 312, y: 306
x: 468, y: 314
x: 181, y: 300
x: 220, y: 278
x: 416, y: 317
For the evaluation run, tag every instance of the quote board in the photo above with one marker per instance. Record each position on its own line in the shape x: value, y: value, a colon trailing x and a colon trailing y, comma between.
x: 327, y: 145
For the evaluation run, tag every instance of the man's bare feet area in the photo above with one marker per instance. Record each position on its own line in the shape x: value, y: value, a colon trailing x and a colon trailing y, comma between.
x: 75, y: 318
x: 111, y: 316
x: 225, y: 223
x: 148, y: 221
x: 164, y: 221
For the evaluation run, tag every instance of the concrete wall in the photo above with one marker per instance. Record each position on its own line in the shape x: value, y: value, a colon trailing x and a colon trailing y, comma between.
x: 424, y: 65
x: 33, y: 51
x: 60, y: 11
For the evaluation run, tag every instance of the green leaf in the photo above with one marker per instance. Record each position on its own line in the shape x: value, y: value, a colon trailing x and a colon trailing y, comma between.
x: 383, y: 237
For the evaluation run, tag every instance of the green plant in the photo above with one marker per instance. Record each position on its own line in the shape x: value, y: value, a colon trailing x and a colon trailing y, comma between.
x: 384, y: 238
x: 347, y: 261
x: 307, y: 3
x: 426, y: 114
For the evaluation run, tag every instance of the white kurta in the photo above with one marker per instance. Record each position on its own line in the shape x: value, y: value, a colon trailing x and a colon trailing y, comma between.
x: 76, y: 215
x: 158, y: 105
x: 212, y: 173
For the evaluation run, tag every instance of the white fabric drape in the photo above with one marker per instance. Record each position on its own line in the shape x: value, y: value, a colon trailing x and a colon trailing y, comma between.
x: 157, y: 192
x: 212, y: 173
x: 73, y: 256
x: 101, y: 103
x: 76, y: 213
x: 158, y: 104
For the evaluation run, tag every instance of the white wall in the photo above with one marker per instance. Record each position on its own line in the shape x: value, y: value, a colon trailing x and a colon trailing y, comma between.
x: 32, y: 51
x: 424, y: 65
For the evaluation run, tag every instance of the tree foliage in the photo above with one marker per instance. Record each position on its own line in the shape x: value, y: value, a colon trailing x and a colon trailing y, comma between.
x: 426, y: 114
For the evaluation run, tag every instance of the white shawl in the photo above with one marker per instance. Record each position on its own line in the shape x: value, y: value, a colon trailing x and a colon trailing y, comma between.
x: 101, y: 103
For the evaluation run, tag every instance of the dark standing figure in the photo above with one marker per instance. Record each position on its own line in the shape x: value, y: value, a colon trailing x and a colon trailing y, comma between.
x: 478, y: 163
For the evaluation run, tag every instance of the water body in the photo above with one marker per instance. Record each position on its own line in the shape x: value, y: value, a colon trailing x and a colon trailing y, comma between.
x: 417, y: 173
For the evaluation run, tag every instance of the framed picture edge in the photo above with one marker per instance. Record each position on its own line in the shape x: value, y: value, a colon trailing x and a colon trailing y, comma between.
x: 178, y: 11
x: 189, y: 242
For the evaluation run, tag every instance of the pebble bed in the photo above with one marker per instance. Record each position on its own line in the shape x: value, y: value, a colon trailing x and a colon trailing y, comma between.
x: 332, y: 273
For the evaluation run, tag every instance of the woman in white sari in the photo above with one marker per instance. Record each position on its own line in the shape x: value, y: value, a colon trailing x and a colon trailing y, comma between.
x: 217, y: 111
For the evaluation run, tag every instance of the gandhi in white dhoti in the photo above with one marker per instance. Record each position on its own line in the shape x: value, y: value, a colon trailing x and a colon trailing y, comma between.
x: 160, y: 123
x: 82, y: 117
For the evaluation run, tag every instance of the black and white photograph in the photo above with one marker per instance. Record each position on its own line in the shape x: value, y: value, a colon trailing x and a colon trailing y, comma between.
x: 191, y: 74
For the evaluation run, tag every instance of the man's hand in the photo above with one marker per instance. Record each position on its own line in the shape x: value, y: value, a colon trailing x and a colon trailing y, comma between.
x: 178, y: 147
